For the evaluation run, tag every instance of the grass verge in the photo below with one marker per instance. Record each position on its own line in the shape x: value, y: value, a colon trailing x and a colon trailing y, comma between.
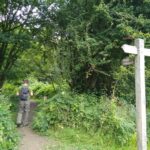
x: 72, y: 139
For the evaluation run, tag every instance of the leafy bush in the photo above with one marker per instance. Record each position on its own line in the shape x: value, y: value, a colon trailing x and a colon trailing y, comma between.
x: 8, y: 133
x: 10, y: 90
x: 86, y: 112
x: 41, y: 89
x: 124, y: 79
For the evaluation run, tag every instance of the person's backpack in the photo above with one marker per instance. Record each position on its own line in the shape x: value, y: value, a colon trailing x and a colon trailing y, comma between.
x: 24, y: 93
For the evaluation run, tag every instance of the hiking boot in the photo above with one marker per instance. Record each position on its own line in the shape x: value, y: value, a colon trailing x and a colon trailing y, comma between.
x: 18, y: 125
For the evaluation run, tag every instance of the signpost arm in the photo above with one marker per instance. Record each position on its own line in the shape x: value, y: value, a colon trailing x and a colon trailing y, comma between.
x: 140, y: 95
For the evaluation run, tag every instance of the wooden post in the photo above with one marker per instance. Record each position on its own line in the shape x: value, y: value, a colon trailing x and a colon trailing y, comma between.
x: 140, y: 53
x: 140, y: 95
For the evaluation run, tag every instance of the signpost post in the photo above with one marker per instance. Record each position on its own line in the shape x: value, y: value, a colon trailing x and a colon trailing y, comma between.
x: 140, y: 53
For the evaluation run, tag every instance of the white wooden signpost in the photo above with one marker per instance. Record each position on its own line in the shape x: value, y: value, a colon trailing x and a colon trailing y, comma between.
x: 140, y: 52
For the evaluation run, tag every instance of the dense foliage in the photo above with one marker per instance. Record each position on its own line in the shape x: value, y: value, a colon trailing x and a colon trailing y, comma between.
x: 90, y: 113
x: 18, y: 20
x: 80, y: 41
x: 8, y: 133
x: 87, y: 40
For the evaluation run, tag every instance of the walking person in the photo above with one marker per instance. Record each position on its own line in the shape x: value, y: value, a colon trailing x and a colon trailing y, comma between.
x: 24, y: 104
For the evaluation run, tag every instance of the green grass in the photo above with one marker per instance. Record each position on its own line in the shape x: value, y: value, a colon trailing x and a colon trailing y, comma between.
x: 71, y: 139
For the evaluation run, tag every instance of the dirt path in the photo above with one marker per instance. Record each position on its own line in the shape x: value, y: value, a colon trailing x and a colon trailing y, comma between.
x: 32, y: 141
x: 29, y: 139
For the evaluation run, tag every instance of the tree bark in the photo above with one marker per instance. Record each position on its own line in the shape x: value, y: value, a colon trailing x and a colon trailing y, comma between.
x: 2, y: 79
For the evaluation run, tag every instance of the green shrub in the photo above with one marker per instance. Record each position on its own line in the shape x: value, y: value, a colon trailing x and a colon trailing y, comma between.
x: 10, y: 90
x: 86, y: 112
x: 8, y: 133
x: 41, y: 89
x: 125, y: 79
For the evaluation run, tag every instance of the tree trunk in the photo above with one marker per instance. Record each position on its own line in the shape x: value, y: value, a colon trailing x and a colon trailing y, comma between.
x: 2, y: 79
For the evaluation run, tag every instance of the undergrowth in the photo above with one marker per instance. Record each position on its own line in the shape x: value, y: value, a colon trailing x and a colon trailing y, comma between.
x: 89, y: 113
x: 8, y: 134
